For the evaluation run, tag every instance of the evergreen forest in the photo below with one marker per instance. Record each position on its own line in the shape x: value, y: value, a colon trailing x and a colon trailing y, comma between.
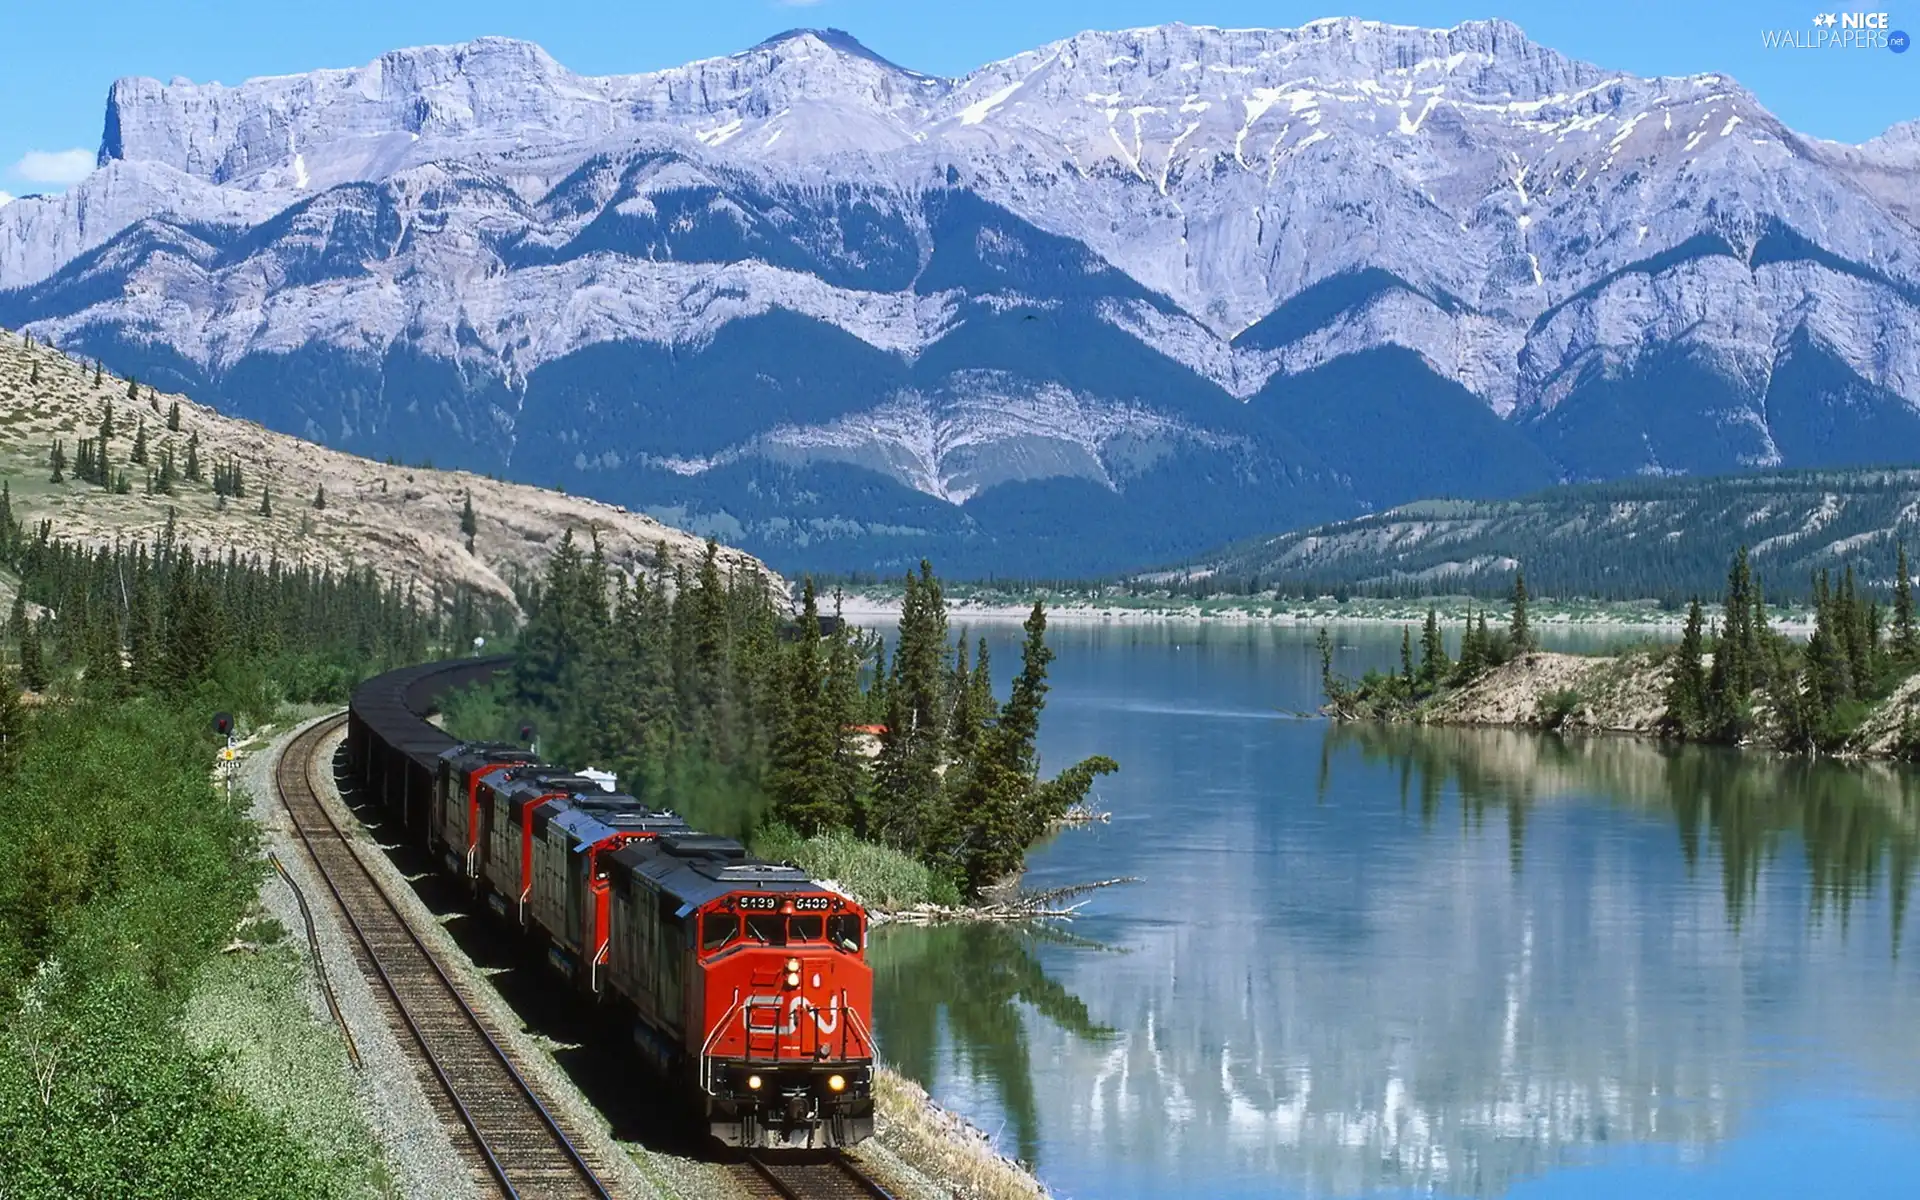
x: 704, y: 698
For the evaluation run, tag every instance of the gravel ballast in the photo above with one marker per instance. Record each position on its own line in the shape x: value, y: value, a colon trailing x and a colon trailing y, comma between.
x: 414, y: 1144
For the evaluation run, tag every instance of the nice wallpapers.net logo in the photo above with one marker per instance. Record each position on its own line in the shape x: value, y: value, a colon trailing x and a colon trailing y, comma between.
x: 1841, y: 31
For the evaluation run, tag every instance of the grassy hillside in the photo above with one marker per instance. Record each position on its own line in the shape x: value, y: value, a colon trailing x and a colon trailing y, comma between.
x: 1659, y: 538
x: 404, y: 521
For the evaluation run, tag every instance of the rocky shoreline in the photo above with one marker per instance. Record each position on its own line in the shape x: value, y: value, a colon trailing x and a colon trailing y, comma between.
x: 1620, y: 694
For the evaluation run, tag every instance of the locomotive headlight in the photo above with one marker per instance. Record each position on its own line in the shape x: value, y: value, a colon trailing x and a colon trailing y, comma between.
x: 793, y: 972
x: 753, y: 1083
x: 836, y: 1083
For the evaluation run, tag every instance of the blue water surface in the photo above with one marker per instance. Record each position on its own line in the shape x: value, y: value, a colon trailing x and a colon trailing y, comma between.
x: 1402, y: 962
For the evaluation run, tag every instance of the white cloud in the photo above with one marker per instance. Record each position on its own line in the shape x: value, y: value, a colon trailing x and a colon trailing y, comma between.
x: 55, y: 166
x: 5, y: 199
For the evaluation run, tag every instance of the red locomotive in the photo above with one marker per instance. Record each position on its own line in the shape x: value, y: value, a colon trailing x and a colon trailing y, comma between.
x: 745, y: 979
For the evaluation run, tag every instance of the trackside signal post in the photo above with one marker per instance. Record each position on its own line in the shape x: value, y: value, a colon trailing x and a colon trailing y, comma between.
x: 229, y: 756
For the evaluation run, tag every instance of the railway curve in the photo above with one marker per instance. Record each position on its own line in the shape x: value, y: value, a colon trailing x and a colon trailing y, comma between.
x: 517, y: 1146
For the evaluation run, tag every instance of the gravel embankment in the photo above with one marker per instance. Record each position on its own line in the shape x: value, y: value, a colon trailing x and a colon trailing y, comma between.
x: 414, y: 1145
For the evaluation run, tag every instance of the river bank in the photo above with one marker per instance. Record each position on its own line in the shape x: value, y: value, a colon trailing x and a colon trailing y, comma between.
x: 870, y: 607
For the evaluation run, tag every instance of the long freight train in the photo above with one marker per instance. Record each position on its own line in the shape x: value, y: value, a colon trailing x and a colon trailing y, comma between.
x: 745, y: 980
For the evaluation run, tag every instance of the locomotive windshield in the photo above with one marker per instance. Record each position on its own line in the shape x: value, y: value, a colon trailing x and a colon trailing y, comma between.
x: 718, y: 929
x: 768, y: 929
x: 844, y: 931
x: 721, y: 929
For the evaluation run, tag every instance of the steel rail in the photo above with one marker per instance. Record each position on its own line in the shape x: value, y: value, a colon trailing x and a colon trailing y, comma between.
x: 831, y: 1178
x: 293, y: 780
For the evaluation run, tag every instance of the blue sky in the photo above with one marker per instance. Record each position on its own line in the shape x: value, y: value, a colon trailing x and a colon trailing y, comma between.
x: 58, y: 59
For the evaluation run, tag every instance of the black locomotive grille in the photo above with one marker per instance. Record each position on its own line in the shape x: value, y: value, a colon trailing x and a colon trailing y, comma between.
x: 515, y: 1142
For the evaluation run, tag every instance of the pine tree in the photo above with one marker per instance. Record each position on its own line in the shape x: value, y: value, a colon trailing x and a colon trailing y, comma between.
x: 193, y: 458
x: 33, y: 665
x: 173, y: 417
x: 33, y: 377
x: 469, y: 526
x: 98, y: 373
x: 1005, y: 808
x: 1519, y: 633
x: 166, y: 481
x: 1473, y: 655
x: 58, y: 459
x: 1686, y: 686
x: 1406, y: 657
x: 139, y: 453
x: 133, y: 390
x: 320, y: 497
x: 105, y: 675
x: 1329, y: 686
x: 913, y: 749
x: 266, y: 501
x: 802, y: 781
x: 106, y: 427
x: 153, y: 399
x: 13, y: 722
x: 1434, y: 665
x: 1905, y: 645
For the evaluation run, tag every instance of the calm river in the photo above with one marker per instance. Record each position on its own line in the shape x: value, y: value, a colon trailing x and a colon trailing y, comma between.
x: 1375, y: 961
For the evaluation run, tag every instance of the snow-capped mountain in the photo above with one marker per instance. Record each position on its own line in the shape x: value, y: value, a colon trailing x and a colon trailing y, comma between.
x: 1100, y: 304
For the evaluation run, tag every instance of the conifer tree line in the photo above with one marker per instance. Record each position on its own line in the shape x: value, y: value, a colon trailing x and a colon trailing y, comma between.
x: 705, y: 699
x: 163, y: 618
x: 1739, y: 678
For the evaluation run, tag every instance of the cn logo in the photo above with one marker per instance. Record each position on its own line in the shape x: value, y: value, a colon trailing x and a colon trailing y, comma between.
x: 765, y: 1015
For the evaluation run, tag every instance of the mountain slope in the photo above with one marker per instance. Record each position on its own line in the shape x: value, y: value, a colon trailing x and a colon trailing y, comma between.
x: 404, y: 521
x: 1663, y: 538
x: 1143, y: 290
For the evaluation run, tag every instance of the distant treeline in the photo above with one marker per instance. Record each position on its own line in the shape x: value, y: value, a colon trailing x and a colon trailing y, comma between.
x: 1665, y: 540
x: 1660, y: 539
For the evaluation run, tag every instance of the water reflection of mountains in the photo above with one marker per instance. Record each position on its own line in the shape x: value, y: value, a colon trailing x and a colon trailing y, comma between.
x: 1437, y: 1003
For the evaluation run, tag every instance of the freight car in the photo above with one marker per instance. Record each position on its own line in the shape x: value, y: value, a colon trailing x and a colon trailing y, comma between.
x: 744, y: 981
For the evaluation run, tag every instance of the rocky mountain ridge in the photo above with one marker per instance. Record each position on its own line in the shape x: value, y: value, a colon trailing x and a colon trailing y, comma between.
x: 1161, y: 285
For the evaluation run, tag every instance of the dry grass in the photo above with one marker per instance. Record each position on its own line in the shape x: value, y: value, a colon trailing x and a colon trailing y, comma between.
x: 403, y: 521
x: 944, y: 1146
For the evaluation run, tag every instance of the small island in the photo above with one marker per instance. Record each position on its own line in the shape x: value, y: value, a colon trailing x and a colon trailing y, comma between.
x: 1848, y: 689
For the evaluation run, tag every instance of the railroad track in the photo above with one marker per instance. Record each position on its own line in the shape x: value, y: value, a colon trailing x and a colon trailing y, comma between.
x: 812, y: 1177
x: 520, y: 1150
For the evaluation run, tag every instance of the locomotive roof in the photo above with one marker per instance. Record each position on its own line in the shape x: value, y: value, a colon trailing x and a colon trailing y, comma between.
x: 391, y: 704
x: 469, y: 755
x: 542, y: 778
x: 696, y: 868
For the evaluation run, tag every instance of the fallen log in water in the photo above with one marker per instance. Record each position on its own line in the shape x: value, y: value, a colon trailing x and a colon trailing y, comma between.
x: 1025, y: 906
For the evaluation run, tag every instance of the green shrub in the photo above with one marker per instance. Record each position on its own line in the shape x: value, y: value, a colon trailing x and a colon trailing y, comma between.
x: 880, y: 877
x: 1555, y: 707
x: 122, y: 872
